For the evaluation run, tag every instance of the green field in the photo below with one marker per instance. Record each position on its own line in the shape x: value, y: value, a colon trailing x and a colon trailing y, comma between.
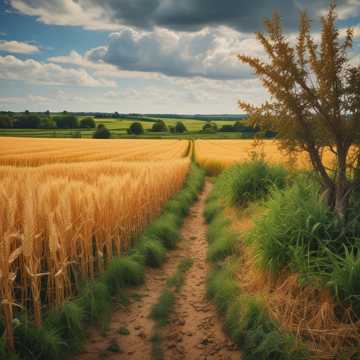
x: 118, y: 128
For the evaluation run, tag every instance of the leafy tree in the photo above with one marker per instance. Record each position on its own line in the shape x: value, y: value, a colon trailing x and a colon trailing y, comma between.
x: 27, y: 122
x: 88, y: 123
x: 67, y: 121
x: 6, y: 121
x: 102, y: 132
x: 136, y: 128
x: 315, y: 103
x: 47, y: 123
x: 180, y: 127
x: 159, y: 126
x: 210, y: 126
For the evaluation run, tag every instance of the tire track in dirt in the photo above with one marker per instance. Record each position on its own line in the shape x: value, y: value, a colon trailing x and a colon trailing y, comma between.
x: 194, y: 332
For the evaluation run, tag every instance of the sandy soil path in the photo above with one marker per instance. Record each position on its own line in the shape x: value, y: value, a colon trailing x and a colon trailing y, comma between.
x: 194, y: 331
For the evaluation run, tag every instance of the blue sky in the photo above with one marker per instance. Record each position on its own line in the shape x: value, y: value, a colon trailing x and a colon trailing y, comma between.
x: 159, y: 56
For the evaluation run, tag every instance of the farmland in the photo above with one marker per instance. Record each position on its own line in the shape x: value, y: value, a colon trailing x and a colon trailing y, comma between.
x: 84, y: 219
x: 118, y: 128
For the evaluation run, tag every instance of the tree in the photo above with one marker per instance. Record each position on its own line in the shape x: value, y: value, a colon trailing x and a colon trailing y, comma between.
x: 210, y: 127
x: 180, y: 127
x: 27, y: 122
x: 67, y: 121
x: 88, y: 123
x: 136, y: 128
x: 47, y: 123
x: 102, y: 132
x: 159, y: 126
x: 6, y: 121
x: 315, y: 104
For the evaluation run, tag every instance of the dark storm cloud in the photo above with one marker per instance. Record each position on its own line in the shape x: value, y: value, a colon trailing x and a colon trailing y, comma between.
x: 184, y: 15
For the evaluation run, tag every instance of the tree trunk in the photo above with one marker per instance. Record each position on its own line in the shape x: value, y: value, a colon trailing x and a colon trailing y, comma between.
x: 342, y: 186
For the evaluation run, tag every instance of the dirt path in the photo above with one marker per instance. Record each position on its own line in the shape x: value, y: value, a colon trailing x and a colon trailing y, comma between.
x: 194, y: 331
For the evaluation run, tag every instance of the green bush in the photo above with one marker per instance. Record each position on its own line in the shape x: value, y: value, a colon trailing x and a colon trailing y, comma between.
x: 295, y: 227
x: 250, y: 181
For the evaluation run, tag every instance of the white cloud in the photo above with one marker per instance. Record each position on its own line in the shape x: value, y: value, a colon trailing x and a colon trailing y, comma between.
x: 348, y: 10
x: 209, y: 53
x: 18, y: 47
x: 12, y: 68
x: 101, y: 69
x: 67, y: 13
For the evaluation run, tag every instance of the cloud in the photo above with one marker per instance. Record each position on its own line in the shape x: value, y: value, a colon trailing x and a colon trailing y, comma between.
x: 12, y: 68
x: 184, y: 15
x: 101, y: 69
x: 210, y: 53
x: 18, y: 47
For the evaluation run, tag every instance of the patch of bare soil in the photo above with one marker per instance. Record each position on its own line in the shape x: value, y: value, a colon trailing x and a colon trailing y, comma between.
x: 194, y: 332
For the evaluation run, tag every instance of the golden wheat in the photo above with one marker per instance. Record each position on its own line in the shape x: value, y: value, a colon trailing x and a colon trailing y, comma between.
x: 65, y: 218
x: 217, y: 155
x: 35, y: 152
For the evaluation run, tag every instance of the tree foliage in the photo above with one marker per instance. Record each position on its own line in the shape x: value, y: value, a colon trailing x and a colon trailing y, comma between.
x: 67, y: 121
x: 87, y: 123
x: 315, y: 100
x: 159, y: 126
x: 102, y: 132
x: 180, y: 127
x: 136, y: 128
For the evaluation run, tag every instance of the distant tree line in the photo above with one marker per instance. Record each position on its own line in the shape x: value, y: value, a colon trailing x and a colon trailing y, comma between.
x: 36, y: 121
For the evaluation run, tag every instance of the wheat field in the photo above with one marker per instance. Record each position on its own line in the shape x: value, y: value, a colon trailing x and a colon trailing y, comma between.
x: 35, y: 152
x: 67, y: 207
x: 217, y: 155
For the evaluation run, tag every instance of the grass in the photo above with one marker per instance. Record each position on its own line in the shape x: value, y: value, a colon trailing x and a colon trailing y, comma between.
x: 245, y: 316
x: 118, y: 128
x: 63, y: 331
x: 250, y: 181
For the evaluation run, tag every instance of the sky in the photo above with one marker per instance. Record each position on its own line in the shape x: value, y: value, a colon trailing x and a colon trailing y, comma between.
x: 142, y: 56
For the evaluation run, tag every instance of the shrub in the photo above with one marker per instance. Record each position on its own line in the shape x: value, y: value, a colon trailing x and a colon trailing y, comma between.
x: 6, y: 121
x: 180, y: 127
x: 251, y: 181
x: 67, y: 121
x: 102, y: 132
x: 87, y: 123
x: 159, y: 126
x: 136, y: 128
